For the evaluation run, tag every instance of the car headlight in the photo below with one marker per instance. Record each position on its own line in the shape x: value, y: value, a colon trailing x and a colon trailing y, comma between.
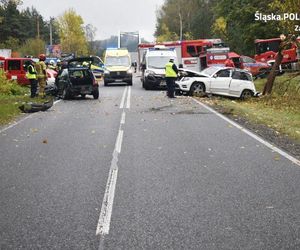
x: 129, y: 71
x: 149, y: 72
x: 185, y: 79
x: 106, y: 72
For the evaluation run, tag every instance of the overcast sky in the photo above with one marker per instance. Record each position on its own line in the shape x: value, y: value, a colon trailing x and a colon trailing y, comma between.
x: 108, y: 16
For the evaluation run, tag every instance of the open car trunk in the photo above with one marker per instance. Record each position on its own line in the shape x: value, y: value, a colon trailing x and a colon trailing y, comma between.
x: 80, y: 77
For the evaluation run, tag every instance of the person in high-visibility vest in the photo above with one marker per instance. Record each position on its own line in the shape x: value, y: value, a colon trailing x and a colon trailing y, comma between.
x: 31, y: 76
x: 41, y: 74
x: 171, y: 75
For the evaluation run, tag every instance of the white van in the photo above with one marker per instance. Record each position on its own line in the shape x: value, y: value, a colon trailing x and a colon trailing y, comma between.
x: 153, y: 66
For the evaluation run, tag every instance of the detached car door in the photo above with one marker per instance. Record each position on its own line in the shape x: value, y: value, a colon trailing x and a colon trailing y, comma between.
x: 62, y: 80
x: 220, y: 82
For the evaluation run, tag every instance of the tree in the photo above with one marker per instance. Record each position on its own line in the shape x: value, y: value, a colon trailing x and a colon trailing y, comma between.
x: 235, y: 23
x: 71, y: 33
x: 33, y: 47
x: 289, y: 7
x: 185, y: 19
x: 90, y: 32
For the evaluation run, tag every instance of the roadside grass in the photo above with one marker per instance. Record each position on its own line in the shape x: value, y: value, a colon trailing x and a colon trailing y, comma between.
x: 280, y: 111
x: 12, y: 96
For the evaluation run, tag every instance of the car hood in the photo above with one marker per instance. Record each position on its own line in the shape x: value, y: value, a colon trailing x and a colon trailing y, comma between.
x: 117, y: 68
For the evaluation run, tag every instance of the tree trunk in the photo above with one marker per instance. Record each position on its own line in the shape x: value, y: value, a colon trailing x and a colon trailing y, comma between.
x: 271, y: 77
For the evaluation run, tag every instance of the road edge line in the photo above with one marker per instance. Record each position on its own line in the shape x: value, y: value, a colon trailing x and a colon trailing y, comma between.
x: 251, y: 134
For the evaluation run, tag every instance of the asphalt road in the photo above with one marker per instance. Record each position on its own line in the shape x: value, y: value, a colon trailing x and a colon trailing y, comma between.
x: 135, y: 170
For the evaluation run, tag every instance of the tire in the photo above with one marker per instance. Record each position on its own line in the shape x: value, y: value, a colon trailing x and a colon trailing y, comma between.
x: 197, y: 89
x: 246, y: 94
x: 105, y: 83
x: 130, y: 82
x: 96, y: 94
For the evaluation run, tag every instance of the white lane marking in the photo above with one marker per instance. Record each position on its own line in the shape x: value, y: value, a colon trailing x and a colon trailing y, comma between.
x: 123, y: 98
x: 107, y: 204
x: 123, y: 118
x: 119, y: 141
x: 23, y: 119
x: 128, y: 98
x: 269, y: 145
x: 108, y: 199
x: 57, y: 101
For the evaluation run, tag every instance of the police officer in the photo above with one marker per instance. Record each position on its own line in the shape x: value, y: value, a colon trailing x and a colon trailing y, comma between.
x: 41, y: 74
x: 171, y: 75
x: 31, y: 76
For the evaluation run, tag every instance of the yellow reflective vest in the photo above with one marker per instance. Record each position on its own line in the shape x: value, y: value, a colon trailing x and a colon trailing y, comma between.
x: 169, y: 70
x: 30, y: 76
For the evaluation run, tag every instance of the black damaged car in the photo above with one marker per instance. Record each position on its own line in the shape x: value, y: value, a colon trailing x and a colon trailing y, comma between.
x: 76, y: 78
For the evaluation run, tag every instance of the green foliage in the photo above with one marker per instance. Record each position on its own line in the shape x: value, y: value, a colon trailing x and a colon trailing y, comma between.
x: 233, y: 21
x: 16, y: 26
x: 33, y: 47
x: 196, y: 16
x: 8, y: 87
x: 71, y: 32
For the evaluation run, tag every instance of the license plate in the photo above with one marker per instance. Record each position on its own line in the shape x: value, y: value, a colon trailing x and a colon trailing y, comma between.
x: 163, y: 83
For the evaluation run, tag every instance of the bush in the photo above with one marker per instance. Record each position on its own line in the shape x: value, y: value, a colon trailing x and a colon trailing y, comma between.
x: 9, y: 87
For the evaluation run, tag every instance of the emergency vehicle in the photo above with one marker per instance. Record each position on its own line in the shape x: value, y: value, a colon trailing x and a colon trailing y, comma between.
x: 14, y: 69
x: 190, y: 53
x: 117, y: 66
x: 220, y: 56
x: 153, y: 66
x: 266, y: 50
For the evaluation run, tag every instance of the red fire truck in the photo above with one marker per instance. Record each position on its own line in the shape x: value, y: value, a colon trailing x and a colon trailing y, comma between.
x: 266, y: 50
x: 191, y: 53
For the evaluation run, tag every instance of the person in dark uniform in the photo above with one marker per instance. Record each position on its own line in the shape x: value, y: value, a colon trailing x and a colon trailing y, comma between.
x: 171, y: 76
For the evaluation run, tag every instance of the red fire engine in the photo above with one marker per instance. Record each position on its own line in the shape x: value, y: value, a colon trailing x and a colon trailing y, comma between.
x: 266, y: 50
x: 191, y: 53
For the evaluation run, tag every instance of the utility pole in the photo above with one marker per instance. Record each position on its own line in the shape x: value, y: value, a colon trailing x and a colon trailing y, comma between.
x: 50, y: 31
x: 180, y: 22
x: 38, y: 27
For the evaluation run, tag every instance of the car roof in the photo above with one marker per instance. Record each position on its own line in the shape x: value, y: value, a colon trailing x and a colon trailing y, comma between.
x: 216, y: 68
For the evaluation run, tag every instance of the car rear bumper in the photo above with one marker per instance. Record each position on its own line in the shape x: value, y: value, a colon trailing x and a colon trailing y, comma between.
x: 121, y: 76
x: 83, y: 89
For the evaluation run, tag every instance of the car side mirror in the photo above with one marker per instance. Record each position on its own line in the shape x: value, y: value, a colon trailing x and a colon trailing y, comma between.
x: 180, y: 65
x: 143, y: 66
x: 215, y: 76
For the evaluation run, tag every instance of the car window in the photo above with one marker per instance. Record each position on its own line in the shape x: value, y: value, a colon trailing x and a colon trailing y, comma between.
x: 191, y: 50
x: 76, y: 74
x: 245, y: 76
x: 247, y: 59
x: 241, y: 76
x: 14, y: 65
x: 223, y: 73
